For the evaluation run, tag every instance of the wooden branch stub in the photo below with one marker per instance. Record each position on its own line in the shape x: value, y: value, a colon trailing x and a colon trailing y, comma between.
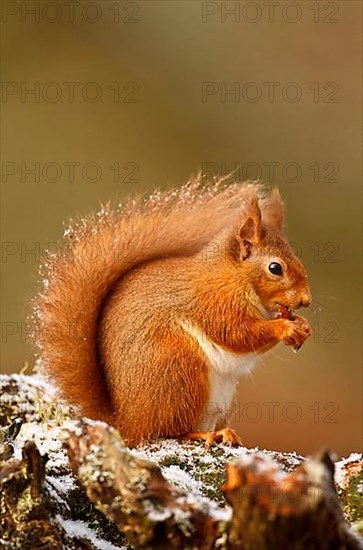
x: 133, y: 493
x: 25, y: 514
x: 273, y: 510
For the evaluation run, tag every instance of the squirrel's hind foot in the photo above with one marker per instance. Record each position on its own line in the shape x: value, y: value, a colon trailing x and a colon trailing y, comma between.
x: 225, y: 436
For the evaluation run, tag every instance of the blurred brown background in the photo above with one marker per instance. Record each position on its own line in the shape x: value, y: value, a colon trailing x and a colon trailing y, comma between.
x: 133, y: 95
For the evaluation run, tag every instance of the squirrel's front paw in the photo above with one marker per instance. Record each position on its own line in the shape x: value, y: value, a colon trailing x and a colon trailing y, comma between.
x: 297, y: 331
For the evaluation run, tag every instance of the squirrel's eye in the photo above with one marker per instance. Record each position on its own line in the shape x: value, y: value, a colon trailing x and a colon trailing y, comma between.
x: 275, y: 268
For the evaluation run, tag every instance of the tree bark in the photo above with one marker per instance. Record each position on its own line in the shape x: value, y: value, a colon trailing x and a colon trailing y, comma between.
x: 25, y: 506
x: 299, y: 510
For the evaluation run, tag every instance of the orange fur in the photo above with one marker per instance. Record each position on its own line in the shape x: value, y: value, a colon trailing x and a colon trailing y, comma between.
x: 109, y: 317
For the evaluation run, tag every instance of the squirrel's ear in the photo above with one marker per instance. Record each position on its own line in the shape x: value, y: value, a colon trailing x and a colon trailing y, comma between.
x: 249, y: 235
x: 274, y: 212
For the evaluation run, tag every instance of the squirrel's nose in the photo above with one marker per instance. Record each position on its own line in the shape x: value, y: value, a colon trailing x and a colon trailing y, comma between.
x: 305, y: 300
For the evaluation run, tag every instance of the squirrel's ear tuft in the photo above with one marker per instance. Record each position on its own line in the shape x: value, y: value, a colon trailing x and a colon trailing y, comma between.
x: 249, y: 235
x: 273, y: 213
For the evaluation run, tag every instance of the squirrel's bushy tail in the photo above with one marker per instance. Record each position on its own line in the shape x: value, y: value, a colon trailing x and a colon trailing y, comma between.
x: 95, y: 253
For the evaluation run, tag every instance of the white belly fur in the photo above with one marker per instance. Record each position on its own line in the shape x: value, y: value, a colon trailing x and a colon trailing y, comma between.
x: 225, y: 369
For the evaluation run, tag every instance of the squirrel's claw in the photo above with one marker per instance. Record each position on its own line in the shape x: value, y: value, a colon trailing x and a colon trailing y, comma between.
x: 225, y: 436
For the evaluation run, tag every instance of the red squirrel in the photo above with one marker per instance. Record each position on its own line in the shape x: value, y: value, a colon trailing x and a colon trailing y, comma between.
x: 153, y: 310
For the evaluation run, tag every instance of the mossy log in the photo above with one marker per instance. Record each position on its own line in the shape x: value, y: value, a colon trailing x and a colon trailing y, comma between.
x: 270, y: 509
x: 70, y: 483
